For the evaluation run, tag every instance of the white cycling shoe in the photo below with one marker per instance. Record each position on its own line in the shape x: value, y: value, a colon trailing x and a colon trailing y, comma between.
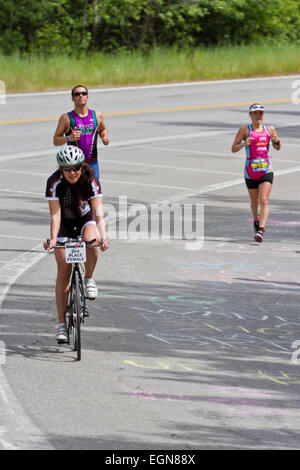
x: 61, y: 334
x: 91, y: 290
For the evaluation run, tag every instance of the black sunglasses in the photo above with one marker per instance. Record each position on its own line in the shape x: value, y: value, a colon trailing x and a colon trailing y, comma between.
x: 73, y: 168
x: 78, y: 93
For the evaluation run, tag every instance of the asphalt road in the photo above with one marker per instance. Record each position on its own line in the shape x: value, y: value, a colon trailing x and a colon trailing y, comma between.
x: 192, y: 343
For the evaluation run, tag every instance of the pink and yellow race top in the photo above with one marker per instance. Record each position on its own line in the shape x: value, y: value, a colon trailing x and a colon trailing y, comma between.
x: 258, y: 158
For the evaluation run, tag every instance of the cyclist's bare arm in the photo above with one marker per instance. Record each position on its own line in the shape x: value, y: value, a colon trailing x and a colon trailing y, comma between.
x: 241, y: 139
x: 97, y: 208
x: 55, y: 213
x: 102, y: 128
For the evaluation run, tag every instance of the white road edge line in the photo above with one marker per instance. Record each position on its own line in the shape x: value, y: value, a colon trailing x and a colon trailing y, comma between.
x: 149, y: 87
x: 17, y: 431
x: 51, y: 152
x: 146, y: 165
x: 226, y: 184
x: 124, y: 143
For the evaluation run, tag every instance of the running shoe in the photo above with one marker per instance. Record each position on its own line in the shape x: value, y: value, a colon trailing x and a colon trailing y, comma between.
x: 61, y: 334
x: 91, y: 290
x: 256, y: 225
x: 259, y: 236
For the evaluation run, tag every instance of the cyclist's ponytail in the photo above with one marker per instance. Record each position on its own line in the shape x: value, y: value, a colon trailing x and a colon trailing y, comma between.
x: 84, y: 183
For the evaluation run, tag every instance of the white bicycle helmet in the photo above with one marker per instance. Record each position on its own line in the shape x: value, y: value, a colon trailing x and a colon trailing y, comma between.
x: 70, y: 155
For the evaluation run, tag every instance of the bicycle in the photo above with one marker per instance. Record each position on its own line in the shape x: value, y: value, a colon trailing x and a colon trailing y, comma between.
x: 75, y: 249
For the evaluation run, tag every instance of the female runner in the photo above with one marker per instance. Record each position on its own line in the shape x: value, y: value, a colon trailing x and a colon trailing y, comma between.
x: 256, y: 139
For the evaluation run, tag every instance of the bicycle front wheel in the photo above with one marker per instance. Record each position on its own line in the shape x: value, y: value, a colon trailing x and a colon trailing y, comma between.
x: 76, y: 316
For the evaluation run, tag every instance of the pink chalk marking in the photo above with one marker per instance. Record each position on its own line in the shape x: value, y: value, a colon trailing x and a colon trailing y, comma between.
x: 157, y: 396
x: 237, y: 401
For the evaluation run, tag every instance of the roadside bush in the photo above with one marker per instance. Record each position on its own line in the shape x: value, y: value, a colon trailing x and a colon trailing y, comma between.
x: 81, y: 26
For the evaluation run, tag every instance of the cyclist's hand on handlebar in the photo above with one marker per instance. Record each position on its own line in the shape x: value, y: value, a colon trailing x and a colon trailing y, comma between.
x: 104, y: 244
x: 49, y: 244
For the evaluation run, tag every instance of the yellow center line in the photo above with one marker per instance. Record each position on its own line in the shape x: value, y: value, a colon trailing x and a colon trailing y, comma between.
x: 154, y: 110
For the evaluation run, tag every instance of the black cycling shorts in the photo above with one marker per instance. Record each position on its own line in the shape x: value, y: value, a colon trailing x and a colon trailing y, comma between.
x: 253, y: 184
x: 72, y: 228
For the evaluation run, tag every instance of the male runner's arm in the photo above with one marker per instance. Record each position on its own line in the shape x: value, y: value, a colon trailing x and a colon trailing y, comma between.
x: 102, y: 131
x: 63, y: 127
x: 242, y: 135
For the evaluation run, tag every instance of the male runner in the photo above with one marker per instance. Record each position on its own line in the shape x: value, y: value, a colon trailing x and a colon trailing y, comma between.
x: 81, y: 127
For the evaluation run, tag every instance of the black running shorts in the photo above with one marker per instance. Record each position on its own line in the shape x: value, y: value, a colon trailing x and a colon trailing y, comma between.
x: 72, y: 228
x: 253, y: 184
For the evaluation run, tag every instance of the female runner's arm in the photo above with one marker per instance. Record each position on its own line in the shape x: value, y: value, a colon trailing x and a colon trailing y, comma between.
x: 274, y: 138
x: 242, y: 135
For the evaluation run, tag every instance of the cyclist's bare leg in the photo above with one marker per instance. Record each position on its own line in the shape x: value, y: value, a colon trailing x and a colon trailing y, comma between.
x: 253, y: 193
x: 264, y: 193
x: 89, y: 234
x: 62, y: 284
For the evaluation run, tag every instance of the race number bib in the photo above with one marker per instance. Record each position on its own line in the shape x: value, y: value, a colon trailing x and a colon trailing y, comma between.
x: 259, y: 164
x: 75, y: 252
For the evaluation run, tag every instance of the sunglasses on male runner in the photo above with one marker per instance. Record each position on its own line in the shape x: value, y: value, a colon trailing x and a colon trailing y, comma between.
x: 78, y: 93
x: 73, y: 168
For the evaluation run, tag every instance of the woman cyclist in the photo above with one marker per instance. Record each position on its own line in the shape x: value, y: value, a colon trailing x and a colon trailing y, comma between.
x: 258, y: 168
x: 75, y: 204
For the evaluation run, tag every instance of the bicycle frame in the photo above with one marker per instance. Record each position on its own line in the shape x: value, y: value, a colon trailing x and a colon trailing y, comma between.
x: 76, y: 306
x: 76, y: 309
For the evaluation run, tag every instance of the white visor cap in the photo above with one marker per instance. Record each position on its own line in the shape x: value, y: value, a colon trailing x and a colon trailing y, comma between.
x: 256, y: 107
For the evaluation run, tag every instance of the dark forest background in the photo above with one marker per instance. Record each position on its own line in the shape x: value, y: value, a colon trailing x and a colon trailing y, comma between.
x: 83, y: 26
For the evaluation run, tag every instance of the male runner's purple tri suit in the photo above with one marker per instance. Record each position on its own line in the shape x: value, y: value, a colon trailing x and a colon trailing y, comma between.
x: 76, y: 214
x: 88, y: 126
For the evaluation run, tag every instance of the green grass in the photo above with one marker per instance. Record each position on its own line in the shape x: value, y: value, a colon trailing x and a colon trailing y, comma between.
x: 160, y: 65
